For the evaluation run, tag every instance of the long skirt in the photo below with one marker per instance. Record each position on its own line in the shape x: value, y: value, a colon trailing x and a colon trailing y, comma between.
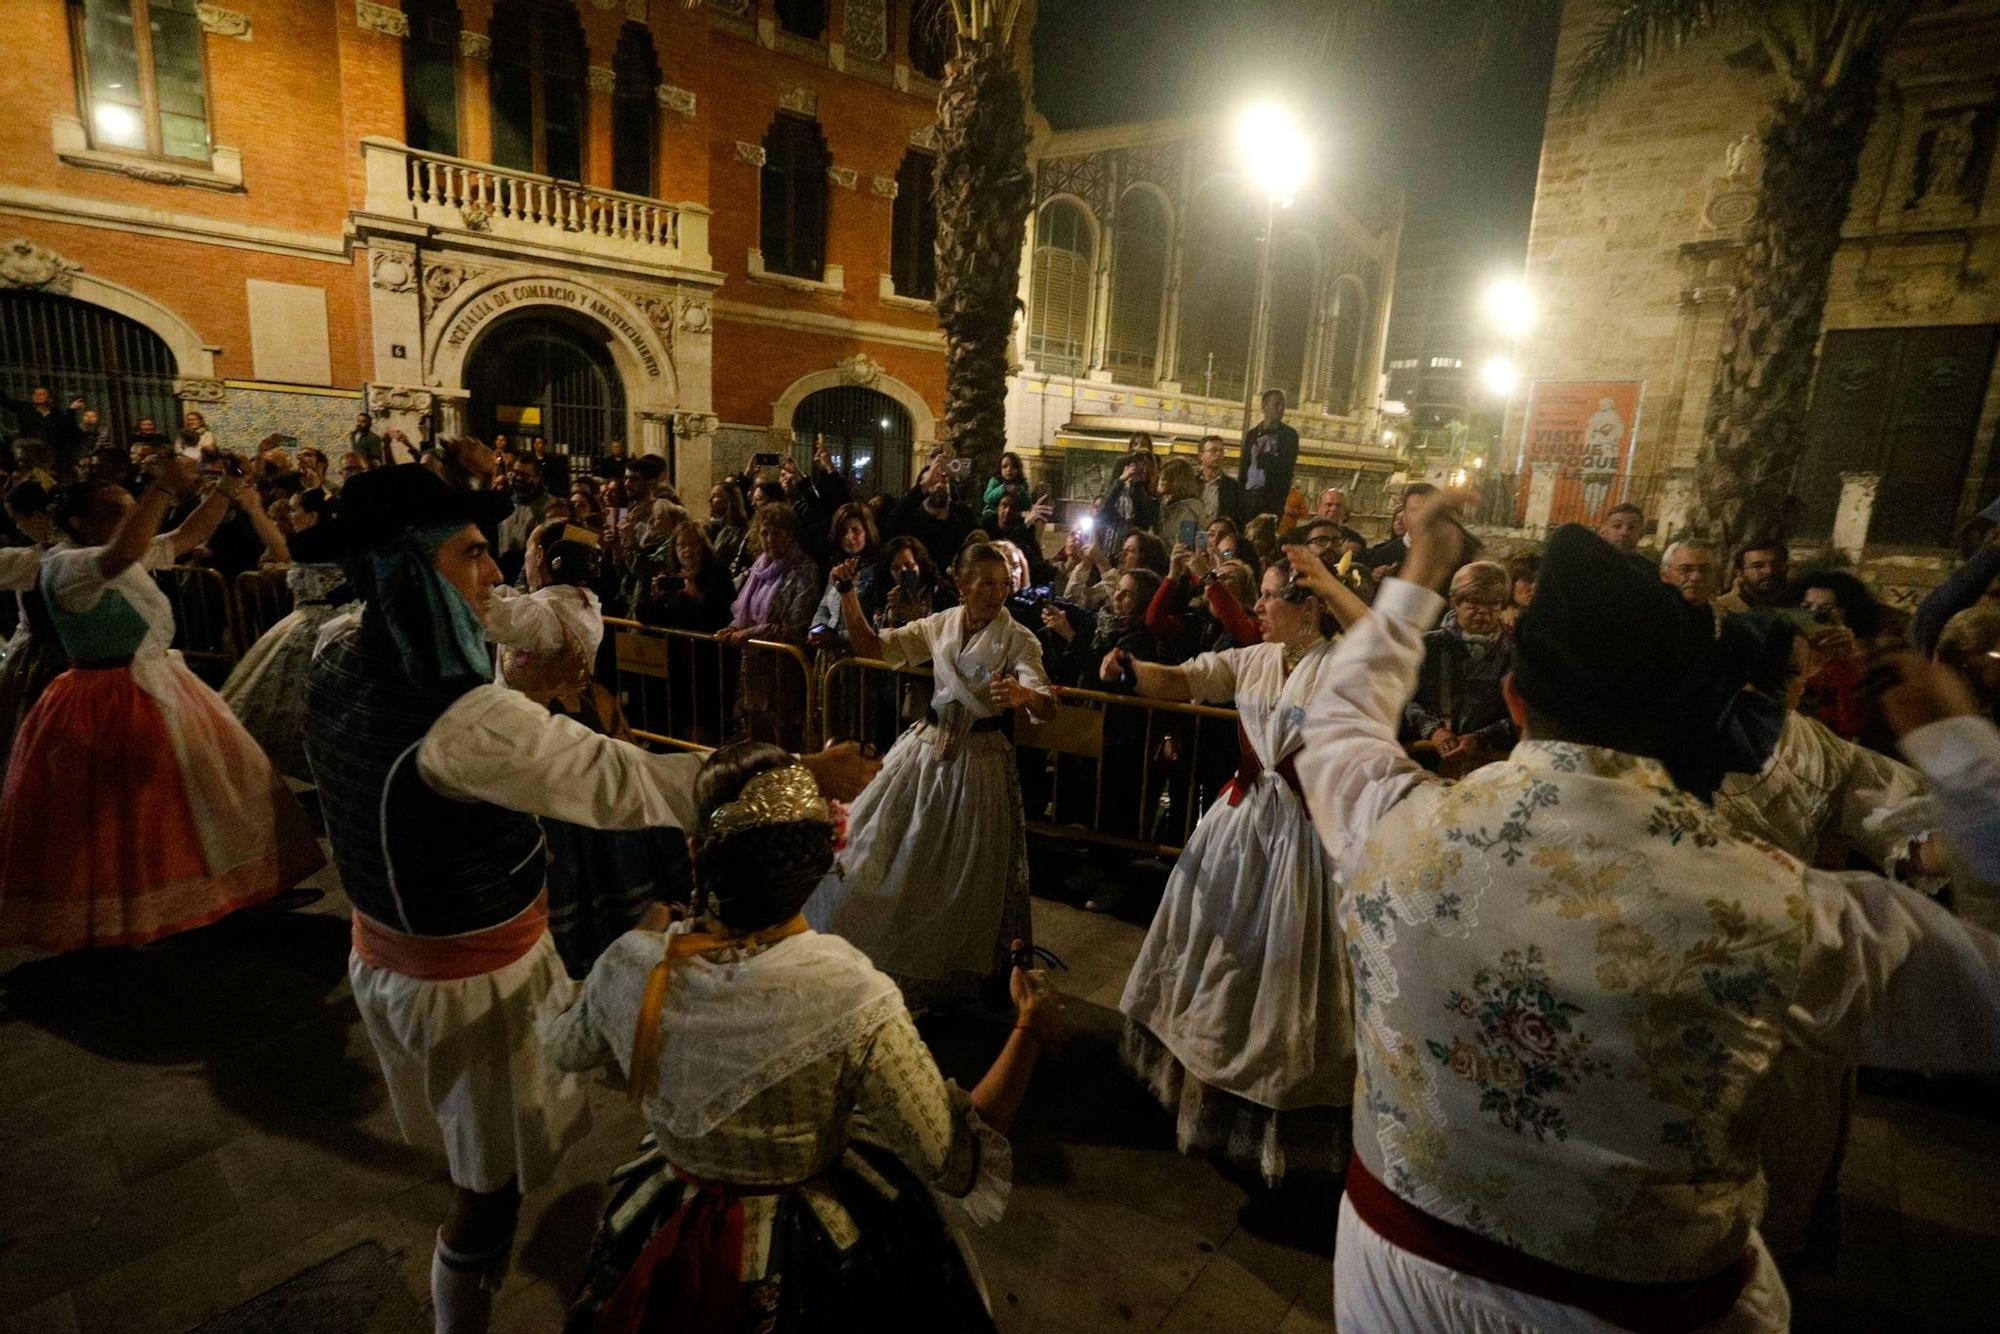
x: 266, y: 690
x: 136, y: 806
x: 671, y: 1254
x: 933, y: 884
x: 1239, y: 1007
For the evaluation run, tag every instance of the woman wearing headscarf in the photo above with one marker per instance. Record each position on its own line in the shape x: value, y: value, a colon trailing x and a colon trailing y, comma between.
x: 934, y: 885
x: 1238, y: 1010
x: 798, y: 1125
x: 600, y: 881
x: 135, y: 804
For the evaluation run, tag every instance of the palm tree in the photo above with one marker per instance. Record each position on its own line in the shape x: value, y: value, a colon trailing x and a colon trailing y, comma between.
x: 982, y: 192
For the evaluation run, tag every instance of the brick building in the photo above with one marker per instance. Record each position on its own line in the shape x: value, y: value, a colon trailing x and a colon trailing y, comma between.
x: 1637, y: 224
x: 698, y: 229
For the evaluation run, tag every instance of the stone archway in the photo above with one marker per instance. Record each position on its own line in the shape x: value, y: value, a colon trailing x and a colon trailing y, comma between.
x: 27, y: 266
x: 864, y: 371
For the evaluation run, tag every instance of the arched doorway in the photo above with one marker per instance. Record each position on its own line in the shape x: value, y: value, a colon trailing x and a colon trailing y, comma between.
x: 115, y: 364
x: 868, y: 433
x: 538, y: 374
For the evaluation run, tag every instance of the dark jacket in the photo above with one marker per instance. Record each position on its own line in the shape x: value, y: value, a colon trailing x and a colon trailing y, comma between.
x: 1231, y: 501
x: 942, y: 537
x: 58, y: 430
x: 1270, y: 454
x: 1954, y: 595
x: 1115, y: 524
x: 1456, y: 692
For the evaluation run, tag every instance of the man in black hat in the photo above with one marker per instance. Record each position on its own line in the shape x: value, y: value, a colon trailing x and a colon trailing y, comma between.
x: 1572, y: 980
x: 431, y: 778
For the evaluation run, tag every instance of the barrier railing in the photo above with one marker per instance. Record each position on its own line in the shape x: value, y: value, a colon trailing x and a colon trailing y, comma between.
x: 687, y: 689
x: 262, y: 599
x: 204, y: 623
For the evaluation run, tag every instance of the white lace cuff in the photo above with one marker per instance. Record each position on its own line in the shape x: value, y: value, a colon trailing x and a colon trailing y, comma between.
x: 985, y: 1200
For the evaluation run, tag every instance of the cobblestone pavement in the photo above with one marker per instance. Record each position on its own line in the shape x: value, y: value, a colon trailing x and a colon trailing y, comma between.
x: 189, y: 1124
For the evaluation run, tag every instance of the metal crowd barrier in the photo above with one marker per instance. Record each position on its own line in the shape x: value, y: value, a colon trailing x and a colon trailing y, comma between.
x: 686, y: 689
x: 262, y: 600
x: 205, y: 628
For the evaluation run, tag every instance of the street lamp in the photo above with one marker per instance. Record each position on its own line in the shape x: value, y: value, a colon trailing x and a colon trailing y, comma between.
x: 1510, y: 308
x: 1500, y: 377
x: 1275, y: 156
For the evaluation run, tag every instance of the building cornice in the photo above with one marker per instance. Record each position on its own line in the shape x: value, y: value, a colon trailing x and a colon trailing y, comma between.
x: 82, y: 211
x: 833, y: 326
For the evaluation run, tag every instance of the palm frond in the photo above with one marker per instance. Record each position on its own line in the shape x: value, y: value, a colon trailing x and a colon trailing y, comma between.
x: 1639, y: 33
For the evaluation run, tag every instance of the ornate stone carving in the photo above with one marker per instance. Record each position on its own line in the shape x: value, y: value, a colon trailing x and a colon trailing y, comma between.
x: 1732, y: 198
x: 197, y: 389
x: 860, y: 369
x: 442, y: 278
x: 750, y: 153
x: 600, y: 78
x: 660, y: 311
x: 697, y: 315
x: 1947, y: 160
x: 474, y: 45
x: 393, y: 270
x: 844, y: 177
x: 884, y: 186
x: 675, y: 99
x: 477, y: 217
x: 689, y: 425
x: 25, y: 264
x: 802, y: 100
x: 385, y: 19
x: 223, y: 22
x: 399, y: 398
x: 925, y: 137
x: 868, y: 28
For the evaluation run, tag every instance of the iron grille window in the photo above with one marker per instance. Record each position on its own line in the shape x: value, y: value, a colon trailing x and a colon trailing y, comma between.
x: 139, y: 69
x: 867, y: 432
x: 930, y: 37
x: 74, y: 349
x: 1138, y: 284
x: 430, y: 76
x: 793, y: 231
x: 913, y: 233
x: 538, y: 376
x: 1059, y: 289
x: 634, y: 112
x: 803, y: 18
x: 537, y: 87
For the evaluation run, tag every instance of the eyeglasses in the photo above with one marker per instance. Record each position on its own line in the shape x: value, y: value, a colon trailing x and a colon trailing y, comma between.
x: 1477, y: 604
x: 1296, y: 594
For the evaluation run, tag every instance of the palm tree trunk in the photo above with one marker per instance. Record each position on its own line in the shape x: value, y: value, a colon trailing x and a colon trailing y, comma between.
x: 1755, y: 430
x: 982, y: 195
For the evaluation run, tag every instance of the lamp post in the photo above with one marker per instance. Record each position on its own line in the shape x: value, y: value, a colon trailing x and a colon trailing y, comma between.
x: 1275, y: 158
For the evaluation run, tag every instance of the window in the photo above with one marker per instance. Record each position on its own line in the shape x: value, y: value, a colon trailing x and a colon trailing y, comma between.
x: 1059, y: 289
x: 803, y: 18
x: 1218, y: 294
x: 430, y: 76
x: 1294, y: 278
x: 793, y: 234
x: 634, y: 112
x: 931, y: 37
x: 913, y: 236
x: 537, y: 81
x: 1340, y: 349
x: 140, y: 66
x: 1138, y: 284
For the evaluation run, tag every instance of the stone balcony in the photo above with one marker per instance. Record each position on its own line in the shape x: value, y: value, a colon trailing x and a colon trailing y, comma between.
x: 457, y: 195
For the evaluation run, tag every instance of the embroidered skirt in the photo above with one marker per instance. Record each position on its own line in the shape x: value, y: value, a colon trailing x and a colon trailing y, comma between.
x: 136, y: 806
x: 704, y: 1258
x: 267, y: 688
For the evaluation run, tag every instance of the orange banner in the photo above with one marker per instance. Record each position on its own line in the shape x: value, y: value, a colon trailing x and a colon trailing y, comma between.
x: 1588, y: 427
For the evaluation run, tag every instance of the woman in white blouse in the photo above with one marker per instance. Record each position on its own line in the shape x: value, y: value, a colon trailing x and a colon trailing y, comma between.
x: 934, y: 884
x: 798, y: 1123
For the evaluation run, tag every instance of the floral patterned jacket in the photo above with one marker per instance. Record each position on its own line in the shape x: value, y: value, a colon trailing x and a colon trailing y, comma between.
x: 1571, y: 980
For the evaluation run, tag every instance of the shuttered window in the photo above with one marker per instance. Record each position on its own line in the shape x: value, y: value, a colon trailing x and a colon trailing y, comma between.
x: 1138, y: 286
x: 634, y: 111
x: 793, y: 230
x: 1059, y: 289
x: 537, y: 87
x: 913, y: 238
x: 1294, y: 275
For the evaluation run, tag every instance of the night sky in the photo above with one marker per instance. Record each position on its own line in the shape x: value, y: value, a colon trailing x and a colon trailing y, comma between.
x: 1452, y: 116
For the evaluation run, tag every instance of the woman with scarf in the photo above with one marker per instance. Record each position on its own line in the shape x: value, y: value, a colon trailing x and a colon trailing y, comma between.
x: 774, y: 603
x: 600, y: 881
x: 800, y: 1133
x: 1458, y: 707
x: 935, y: 883
x: 135, y: 805
x: 1238, y: 1010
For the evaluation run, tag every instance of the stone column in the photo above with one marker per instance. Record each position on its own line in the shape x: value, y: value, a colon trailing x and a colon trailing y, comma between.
x: 450, y: 409
x: 694, y: 456
x: 1100, y: 287
x: 1542, y: 495
x: 653, y: 437
x: 1676, y: 502
x: 1856, y: 512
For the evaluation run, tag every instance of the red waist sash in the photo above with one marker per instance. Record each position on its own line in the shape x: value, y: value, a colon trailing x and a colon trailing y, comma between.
x: 450, y: 958
x: 1651, y: 1308
x: 1249, y: 769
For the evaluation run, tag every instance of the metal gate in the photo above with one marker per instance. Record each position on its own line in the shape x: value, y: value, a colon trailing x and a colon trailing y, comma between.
x: 867, y: 432
x: 540, y: 377
x: 116, y: 365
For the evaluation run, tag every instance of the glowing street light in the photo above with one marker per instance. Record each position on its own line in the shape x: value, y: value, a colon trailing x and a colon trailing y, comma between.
x: 1510, y: 307
x: 1500, y: 377
x: 1276, y: 158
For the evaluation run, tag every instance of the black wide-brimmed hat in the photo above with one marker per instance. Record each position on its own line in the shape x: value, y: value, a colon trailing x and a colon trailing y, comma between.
x: 378, y: 504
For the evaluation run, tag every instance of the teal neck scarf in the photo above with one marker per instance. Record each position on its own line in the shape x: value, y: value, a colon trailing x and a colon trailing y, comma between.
x: 436, y: 632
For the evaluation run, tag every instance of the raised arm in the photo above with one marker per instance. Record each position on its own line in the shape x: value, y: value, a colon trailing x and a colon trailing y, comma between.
x: 198, y: 527
x: 276, y: 550
x: 141, y: 524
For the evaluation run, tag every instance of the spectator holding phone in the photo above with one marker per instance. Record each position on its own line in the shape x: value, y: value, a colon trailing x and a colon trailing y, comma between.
x: 930, y: 514
x: 1132, y: 503
x: 1182, y: 515
x: 1012, y: 521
